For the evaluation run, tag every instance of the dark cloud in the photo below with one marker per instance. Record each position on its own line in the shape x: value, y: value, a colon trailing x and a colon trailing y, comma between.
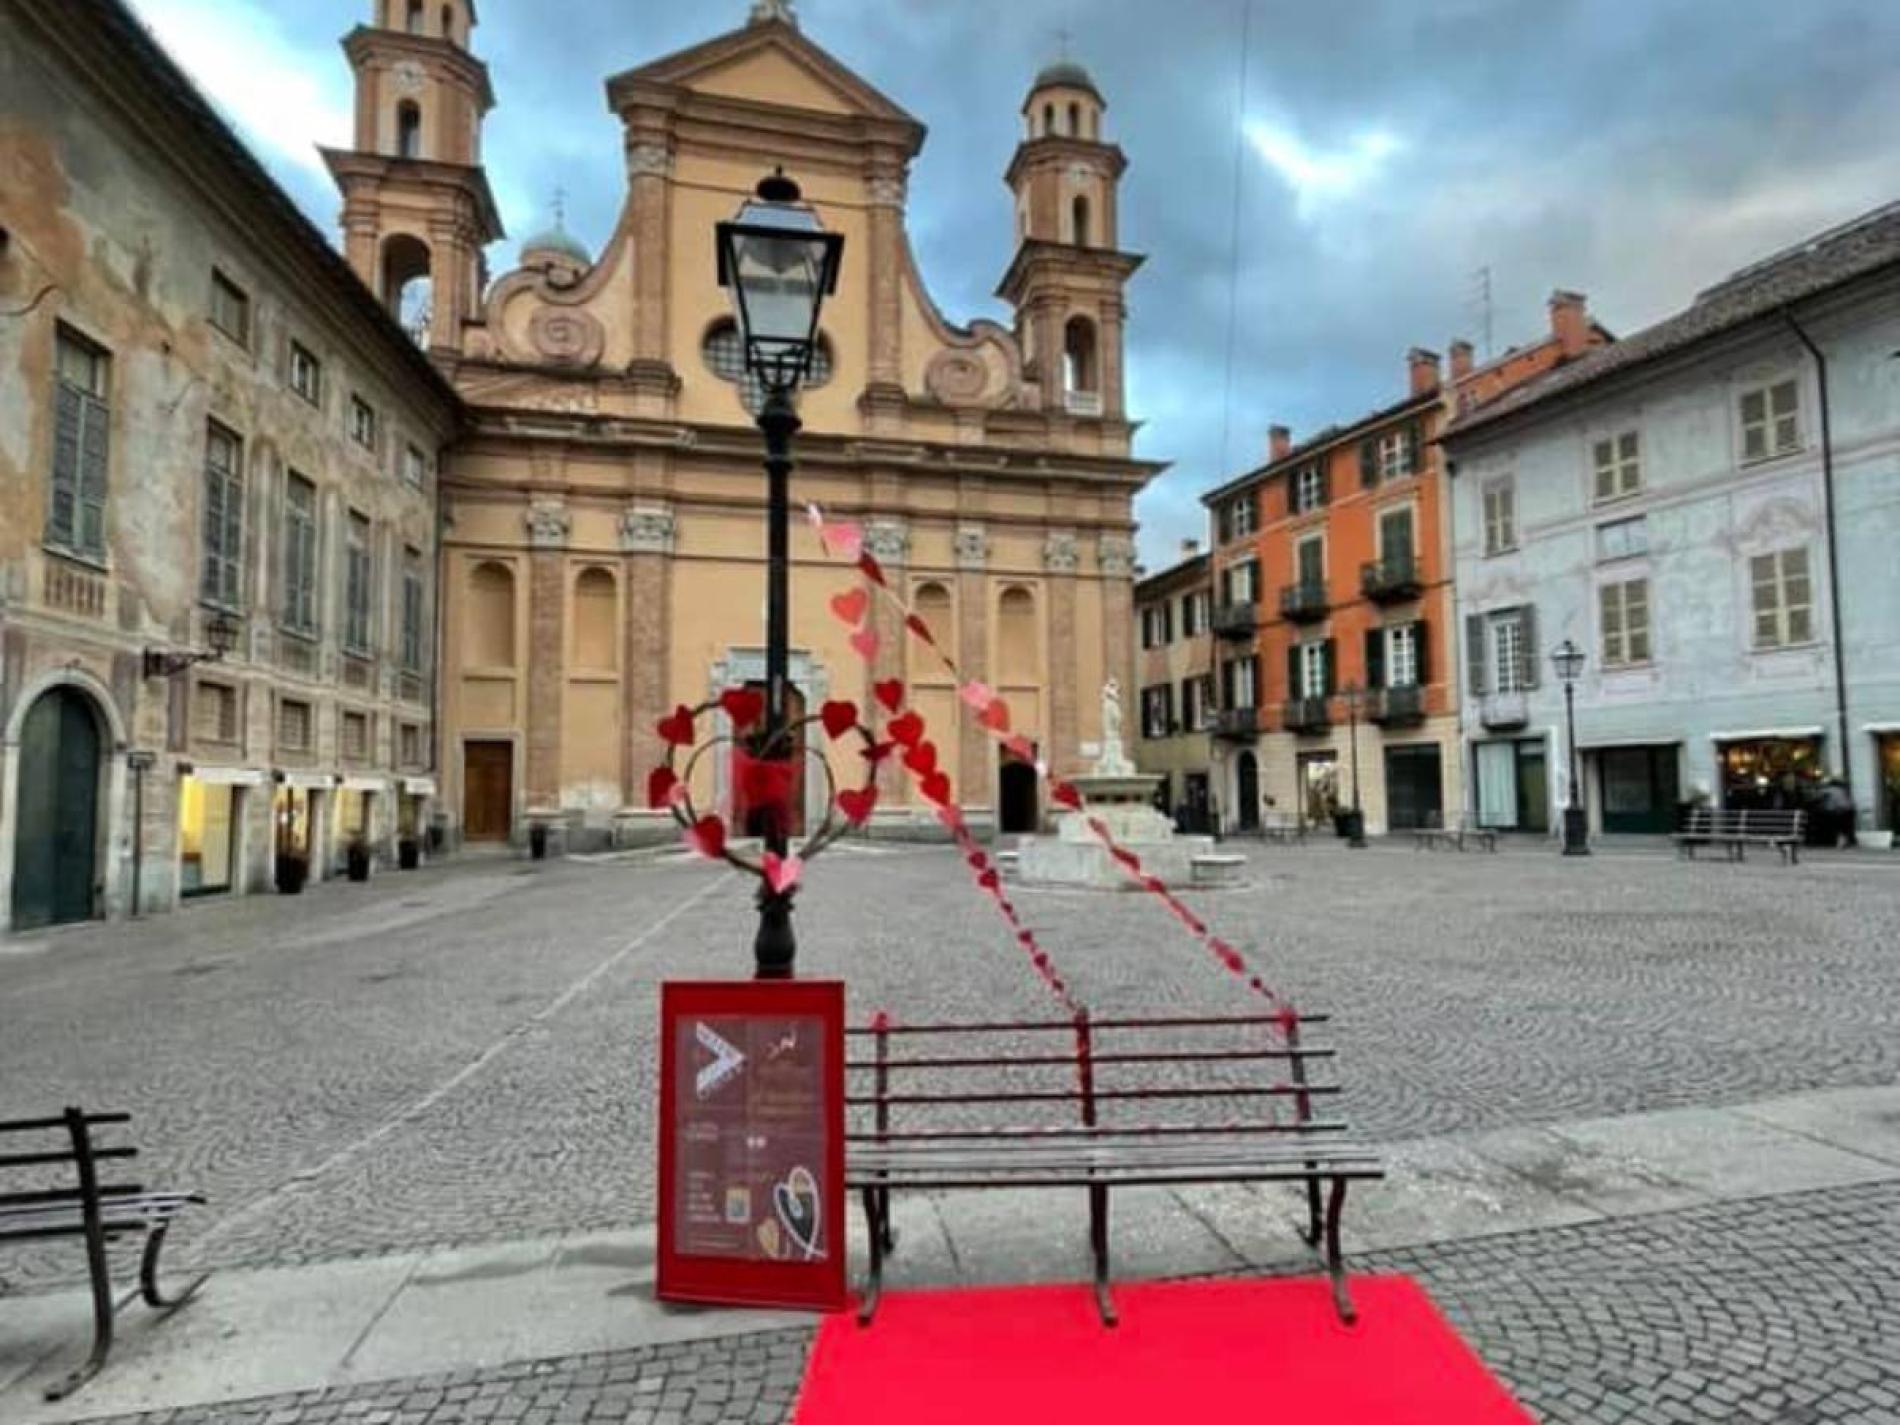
x: 1635, y: 149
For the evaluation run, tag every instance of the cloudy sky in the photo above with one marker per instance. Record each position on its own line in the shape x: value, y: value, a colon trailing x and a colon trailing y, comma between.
x: 1386, y: 152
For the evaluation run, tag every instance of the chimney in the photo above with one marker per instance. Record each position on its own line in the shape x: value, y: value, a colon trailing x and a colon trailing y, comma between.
x: 1279, y: 442
x: 1460, y: 359
x: 1570, y: 321
x: 1424, y: 367
x: 1190, y: 548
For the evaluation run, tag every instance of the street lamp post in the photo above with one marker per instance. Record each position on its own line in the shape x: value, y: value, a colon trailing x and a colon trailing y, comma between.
x: 1568, y: 660
x: 779, y: 264
x: 220, y: 635
x: 1356, y: 838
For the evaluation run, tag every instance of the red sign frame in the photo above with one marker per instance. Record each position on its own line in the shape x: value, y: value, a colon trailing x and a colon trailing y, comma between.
x: 723, y: 1280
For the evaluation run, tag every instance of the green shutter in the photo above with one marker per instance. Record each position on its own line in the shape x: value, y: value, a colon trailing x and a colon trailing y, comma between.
x: 62, y: 512
x: 1293, y: 688
x: 94, y: 445
x: 1416, y: 454
x: 1422, y: 642
x: 1533, y: 664
x: 1331, y: 661
x: 1368, y: 463
x: 234, y: 542
x: 1375, y: 658
x: 1475, y: 681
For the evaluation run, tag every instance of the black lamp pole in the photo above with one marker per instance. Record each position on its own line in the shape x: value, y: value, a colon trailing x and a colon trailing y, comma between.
x: 1357, y: 840
x: 776, y: 946
x: 1569, y: 661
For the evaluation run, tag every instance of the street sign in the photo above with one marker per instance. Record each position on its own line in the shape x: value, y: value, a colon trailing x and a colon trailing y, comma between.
x: 751, y: 1188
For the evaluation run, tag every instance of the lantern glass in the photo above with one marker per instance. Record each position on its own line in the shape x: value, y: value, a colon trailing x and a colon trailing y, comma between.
x: 1567, y: 658
x: 780, y: 264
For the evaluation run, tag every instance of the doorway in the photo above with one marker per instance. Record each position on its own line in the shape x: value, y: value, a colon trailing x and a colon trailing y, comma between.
x: 56, y: 853
x: 209, y: 815
x: 1247, y: 792
x: 1196, y: 806
x: 1319, y: 788
x: 1639, y: 789
x: 1018, y: 811
x: 1414, y: 788
x: 488, y: 790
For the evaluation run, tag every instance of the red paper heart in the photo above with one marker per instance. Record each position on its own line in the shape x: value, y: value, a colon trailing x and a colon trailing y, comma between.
x: 917, y: 626
x: 1021, y: 748
x: 1062, y: 794
x: 936, y: 789
x: 977, y: 695
x: 872, y: 569
x: 663, y: 787
x: 850, y: 606
x: 744, y: 706
x: 838, y: 717
x: 922, y: 759
x: 906, y: 731
x: 878, y: 752
x: 857, y: 804
x: 677, y: 727
x: 996, y: 718
x: 989, y: 880
x: 865, y: 642
x: 707, y: 836
x: 890, y: 692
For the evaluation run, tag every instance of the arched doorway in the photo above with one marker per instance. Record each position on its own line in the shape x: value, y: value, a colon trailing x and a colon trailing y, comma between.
x: 56, y: 850
x: 1247, y: 792
x: 1018, y: 811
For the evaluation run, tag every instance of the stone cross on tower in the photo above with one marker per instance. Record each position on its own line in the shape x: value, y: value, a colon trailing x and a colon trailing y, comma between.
x: 763, y: 10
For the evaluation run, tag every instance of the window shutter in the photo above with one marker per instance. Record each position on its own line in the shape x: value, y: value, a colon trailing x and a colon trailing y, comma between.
x: 62, y: 517
x: 1224, y: 522
x: 1329, y: 660
x: 1294, y: 688
x: 1253, y: 676
x: 1167, y: 707
x: 94, y: 438
x: 1422, y: 656
x: 210, y: 579
x: 1475, y: 682
x: 1325, y: 483
x: 1533, y: 663
x: 233, y: 542
x: 1375, y: 658
x: 1368, y: 463
x: 1415, y: 443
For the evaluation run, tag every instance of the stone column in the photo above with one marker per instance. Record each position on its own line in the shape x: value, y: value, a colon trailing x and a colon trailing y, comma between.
x: 548, y: 525
x: 1114, y: 318
x: 650, y: 199
x: 1060, y: 558
x: 884, y: 382
x: 646, y: 539
x: 976, y: 757
x: 888, y: 541
x: 448, y: 283
x: 1115, y: 554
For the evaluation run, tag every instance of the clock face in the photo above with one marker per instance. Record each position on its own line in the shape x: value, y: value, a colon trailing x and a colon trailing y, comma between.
x: 1081, y: 172
x: 408, y: 76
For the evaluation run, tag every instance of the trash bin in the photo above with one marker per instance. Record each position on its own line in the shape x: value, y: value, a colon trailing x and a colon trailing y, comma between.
x: 538, y: 841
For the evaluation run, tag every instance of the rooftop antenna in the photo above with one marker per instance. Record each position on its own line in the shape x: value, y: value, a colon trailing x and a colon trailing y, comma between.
x: 1481, y: 299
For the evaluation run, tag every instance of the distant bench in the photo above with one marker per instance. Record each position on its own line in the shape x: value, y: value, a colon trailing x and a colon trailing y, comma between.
x: 90, y: 1209
x: 1736, y: 831
x: 1218, y: 868
x: 1435, y: 833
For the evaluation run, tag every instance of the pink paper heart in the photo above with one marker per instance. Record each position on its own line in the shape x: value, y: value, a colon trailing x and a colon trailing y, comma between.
x: 977, y: 695
x: 781, y: 872
x: 865, y: 642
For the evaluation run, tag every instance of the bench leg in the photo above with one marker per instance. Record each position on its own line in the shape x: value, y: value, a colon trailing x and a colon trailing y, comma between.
x: 148, y: 1274
x: 1098, y: 1242
x: 1315, y: 1217
x: 876, y: 1231
x: 1335, y: 1259
x: 101, y: 1319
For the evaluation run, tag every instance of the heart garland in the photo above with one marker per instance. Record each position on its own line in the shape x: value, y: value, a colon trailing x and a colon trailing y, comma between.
x: 992, y: 715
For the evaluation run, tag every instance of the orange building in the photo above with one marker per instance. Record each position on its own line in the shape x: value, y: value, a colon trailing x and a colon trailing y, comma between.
x: 1334, y: 612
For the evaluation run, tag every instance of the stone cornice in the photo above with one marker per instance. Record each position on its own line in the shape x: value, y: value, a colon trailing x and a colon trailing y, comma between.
x: 1058, y: 150
x: 348, y: 164
x: 365, y: 42
x: 1035, y: 257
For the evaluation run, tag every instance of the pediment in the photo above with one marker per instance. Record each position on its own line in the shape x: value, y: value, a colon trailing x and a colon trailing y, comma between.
x: 768, y: 62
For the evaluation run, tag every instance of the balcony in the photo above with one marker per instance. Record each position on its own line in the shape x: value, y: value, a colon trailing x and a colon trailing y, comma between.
x: 1307, y: 715
x: 1392, y: 579
x: 1504, y: 711
x: 1303, y: 603
x: 1396, y: 707
x: 1234, y: 620
x: 1239, y: 724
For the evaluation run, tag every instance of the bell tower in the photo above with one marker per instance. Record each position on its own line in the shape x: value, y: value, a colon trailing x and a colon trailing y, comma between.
x: 417, y: 210
x: 1068, y: 275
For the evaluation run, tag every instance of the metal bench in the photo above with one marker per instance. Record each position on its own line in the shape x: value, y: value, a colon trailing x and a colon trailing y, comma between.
x: 1283, y: 826
x: 1052, y: 1104
x: 1736, y: 831
x: 95, y: 1211
x: 1435, y: 834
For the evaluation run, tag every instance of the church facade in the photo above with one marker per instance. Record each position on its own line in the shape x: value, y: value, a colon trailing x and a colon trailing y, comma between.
x: 603, y: 508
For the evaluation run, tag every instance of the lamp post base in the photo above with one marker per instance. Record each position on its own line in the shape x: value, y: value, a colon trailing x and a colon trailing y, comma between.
x: 1355, y: 830
x: 775, y: 948
x: 1576, y: 832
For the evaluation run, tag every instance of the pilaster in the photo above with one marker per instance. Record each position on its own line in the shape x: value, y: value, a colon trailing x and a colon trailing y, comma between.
x: 975, y: 758
x: 888, y: 541
x: 1060, y: 559
x: 548, y: 525
x: 646, y: 540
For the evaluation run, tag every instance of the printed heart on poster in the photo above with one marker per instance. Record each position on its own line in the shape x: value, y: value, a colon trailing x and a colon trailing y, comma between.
x: 781, y: 872
x: 865, y: 642
x: 857, y: 805
x: 850, y: 606
x: 890, y: 693
x: 677, y: 727
x: 744, y: 706
x: 707, y: 836
x: 838, y: 718
x: 906, y: 731
x: 796, y: 1202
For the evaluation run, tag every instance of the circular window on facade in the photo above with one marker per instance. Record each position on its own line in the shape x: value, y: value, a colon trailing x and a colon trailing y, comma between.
x: 724, y: 355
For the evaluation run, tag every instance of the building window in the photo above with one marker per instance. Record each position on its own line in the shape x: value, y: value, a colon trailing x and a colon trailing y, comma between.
x: 1240, y: 583
x: 1395, y: 536
x: 1309, y: 488
x: 1623, y: 539
x: 1500, y: 516
x: 293, y: 726
x: 1157, y: 711
x: 415, y: 465
x: 1396, y: 455
x: 409, y: 744
x: 723, y: 351
x: 300, y: 556
x: 412, y: 610
x: 230, y: 308
x: 362, y: 423
x: 1242, y: 679
x: 306, y: 373
x: 82, y: 432
x: 1309, y: 562
x: 355, y: 737
x: 1313, y: 662
x: 221, y: 579
x: 1625, y: 623
x: 1783, y: 598
x: 1771, y: 420
x: 1193, y: 614
x: 1509, y: 665
x: 358, y: 587
x: 408, y: 130
x: 215, y: 713
x: 1619, y: 466
x: 1242, y: 517
x: 1401, y: 656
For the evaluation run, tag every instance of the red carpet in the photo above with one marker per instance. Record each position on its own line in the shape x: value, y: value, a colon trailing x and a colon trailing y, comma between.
x: 1185, y: 1352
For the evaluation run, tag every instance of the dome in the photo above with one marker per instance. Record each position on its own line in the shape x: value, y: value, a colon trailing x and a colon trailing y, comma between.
x: 1065, y: 74
x: 558, y: 241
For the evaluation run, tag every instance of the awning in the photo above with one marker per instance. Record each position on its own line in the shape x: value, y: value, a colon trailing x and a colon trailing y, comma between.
x: 1769, y: 734
x: 419, y: 786
x: 228, y: 776
x: 366, y: 784
x: 1881, y: 729
x: 309, y: 781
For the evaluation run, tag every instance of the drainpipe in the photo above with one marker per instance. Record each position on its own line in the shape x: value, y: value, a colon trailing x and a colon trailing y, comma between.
x: 1833, y: 562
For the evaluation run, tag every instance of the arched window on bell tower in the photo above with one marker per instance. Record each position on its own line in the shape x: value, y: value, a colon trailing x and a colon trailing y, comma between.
x: 407, y: 289
x: 1080, y: 369
x: 1079, y: 220
x: 448, y: 24
x: 408, y: 129
x: 414, y: 23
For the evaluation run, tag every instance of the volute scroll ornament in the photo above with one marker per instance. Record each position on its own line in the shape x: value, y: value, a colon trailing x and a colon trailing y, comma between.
x: 888, y: 541
x: 1060, y: 553
x: 566, y: 336
x: 647, y: 530
x: 1116, y: 552
x: 957, y: 378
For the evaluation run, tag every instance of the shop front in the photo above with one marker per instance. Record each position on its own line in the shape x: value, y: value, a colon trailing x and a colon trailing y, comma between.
x: 297, y: 819
x: 412, y: 815
x: 355, y: 819
x: 211, y: 803
x: 1640, y: 787
x: 1513, y: 784
x: 1319, y: 787
x: 1414, y: 787
x: 1887, y: 761
x: 1772, y: 770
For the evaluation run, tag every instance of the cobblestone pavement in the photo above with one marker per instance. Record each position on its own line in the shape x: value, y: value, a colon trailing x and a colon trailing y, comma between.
x: 1782, y: 1311
x: 466, y: 1053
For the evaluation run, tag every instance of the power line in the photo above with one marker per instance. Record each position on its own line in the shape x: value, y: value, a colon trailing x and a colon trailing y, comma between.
x: 1233, y: 277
